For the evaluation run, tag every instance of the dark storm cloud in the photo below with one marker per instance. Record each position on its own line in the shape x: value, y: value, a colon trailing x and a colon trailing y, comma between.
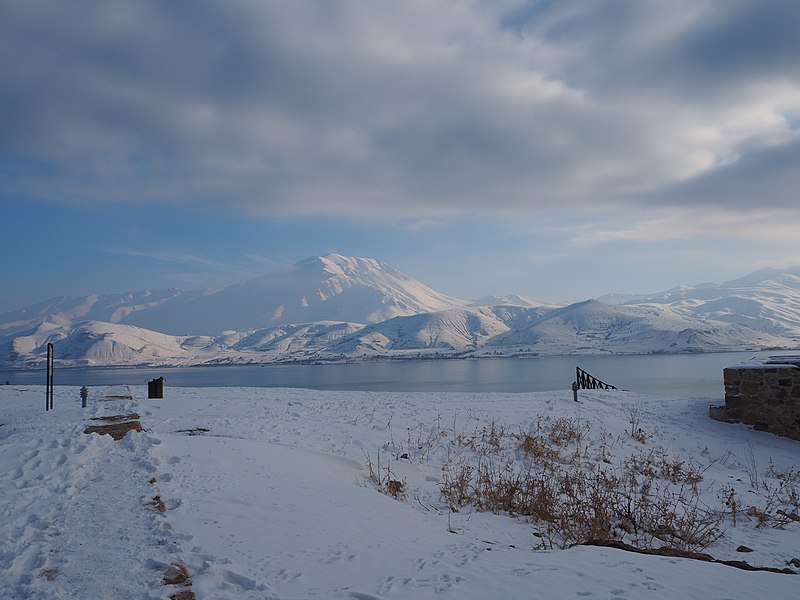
x: 690, y: 49
x: 766, y: 178
x: 398, y: 109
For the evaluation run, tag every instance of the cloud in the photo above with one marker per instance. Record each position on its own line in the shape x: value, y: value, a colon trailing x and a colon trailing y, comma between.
x: 264, y: 261
x: 173, y: 257
x: 754, y: 224
x: 417, y: 225
x: 201, y: 271
x: 783, y: 262
x: 408, y: 111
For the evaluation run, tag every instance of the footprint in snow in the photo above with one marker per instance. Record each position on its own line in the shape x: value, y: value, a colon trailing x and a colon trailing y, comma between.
x: 31, y: 454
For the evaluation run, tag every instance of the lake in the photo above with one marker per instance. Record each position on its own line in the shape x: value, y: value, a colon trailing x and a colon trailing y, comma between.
x: 692, y: 375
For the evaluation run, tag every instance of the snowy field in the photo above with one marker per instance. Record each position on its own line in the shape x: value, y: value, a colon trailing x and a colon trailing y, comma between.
x: 266, y: 493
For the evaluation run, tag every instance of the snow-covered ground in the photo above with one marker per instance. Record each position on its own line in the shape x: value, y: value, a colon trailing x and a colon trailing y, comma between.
x: 266, y: 494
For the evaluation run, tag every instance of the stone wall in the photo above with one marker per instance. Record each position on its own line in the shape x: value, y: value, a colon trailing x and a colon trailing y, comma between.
x: 765, y: 394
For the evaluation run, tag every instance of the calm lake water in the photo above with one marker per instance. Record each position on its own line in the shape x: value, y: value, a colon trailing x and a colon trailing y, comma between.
x: 697, y: 375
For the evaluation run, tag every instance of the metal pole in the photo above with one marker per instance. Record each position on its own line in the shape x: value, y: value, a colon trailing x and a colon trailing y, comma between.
x: 48, y: 403
x: 47, y: 381
x: 50, y: 373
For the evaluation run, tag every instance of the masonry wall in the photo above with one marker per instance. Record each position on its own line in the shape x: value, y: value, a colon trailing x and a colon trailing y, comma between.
x: 765, y: 396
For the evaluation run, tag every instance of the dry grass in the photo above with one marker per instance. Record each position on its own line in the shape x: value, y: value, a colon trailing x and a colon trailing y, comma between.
x: 573, y: 484
x: 566, y: 485
x: 384, y: 479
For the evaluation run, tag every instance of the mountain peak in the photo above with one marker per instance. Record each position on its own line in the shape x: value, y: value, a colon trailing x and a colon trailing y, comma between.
x: 337, y: 264
x: 330, y: 287
x: 763, y: 275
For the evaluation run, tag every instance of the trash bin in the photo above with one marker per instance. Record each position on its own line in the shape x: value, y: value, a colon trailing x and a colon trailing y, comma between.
x: 155, y: 388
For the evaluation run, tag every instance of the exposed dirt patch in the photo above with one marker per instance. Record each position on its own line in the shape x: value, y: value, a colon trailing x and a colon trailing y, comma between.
x: 674, y: 552
x: 48, y: 574
x: 158, y: 504
x: 184, y: 595
x: 176, y: 575
x: 195, y: 431
x: 117, y: 418
x: 115, y: 430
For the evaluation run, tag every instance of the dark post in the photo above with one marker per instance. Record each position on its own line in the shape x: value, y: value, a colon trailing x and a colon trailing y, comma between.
x: 52, y: 373
x: 49, y: 384
x: 47, y: 380
x: 155, y: 388
x: 84, y: 396
x: 575, y: 391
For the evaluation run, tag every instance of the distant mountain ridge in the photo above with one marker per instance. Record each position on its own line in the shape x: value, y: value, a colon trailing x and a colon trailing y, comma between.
x: 334, y: 308
x: 768, y: 300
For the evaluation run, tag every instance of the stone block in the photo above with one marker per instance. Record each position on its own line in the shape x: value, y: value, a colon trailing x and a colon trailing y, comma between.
x: 751, y: 388
x: 765, y: 396
x: 752, y: 375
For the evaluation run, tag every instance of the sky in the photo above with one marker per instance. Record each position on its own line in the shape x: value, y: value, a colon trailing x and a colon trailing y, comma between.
x: 555, y: 148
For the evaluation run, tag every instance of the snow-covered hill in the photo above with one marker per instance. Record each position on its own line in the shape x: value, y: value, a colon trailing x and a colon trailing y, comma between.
x: 65, y: 310
x: 455, y: 330
x: 96, y: 343
x: 594, y: 327
x: 768, y: 300
x: 340, y: 308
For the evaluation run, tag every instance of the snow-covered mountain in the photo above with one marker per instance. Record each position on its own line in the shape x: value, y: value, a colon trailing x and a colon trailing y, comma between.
x: 320, y: 288
x: 594, y: 327
x: 65, y: 310
x: 590, y: 327
x: 339, y: 308
x: 767, y: 300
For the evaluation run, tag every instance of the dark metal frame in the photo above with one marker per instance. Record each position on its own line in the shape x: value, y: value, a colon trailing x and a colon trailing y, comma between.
x: 589, y: 382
